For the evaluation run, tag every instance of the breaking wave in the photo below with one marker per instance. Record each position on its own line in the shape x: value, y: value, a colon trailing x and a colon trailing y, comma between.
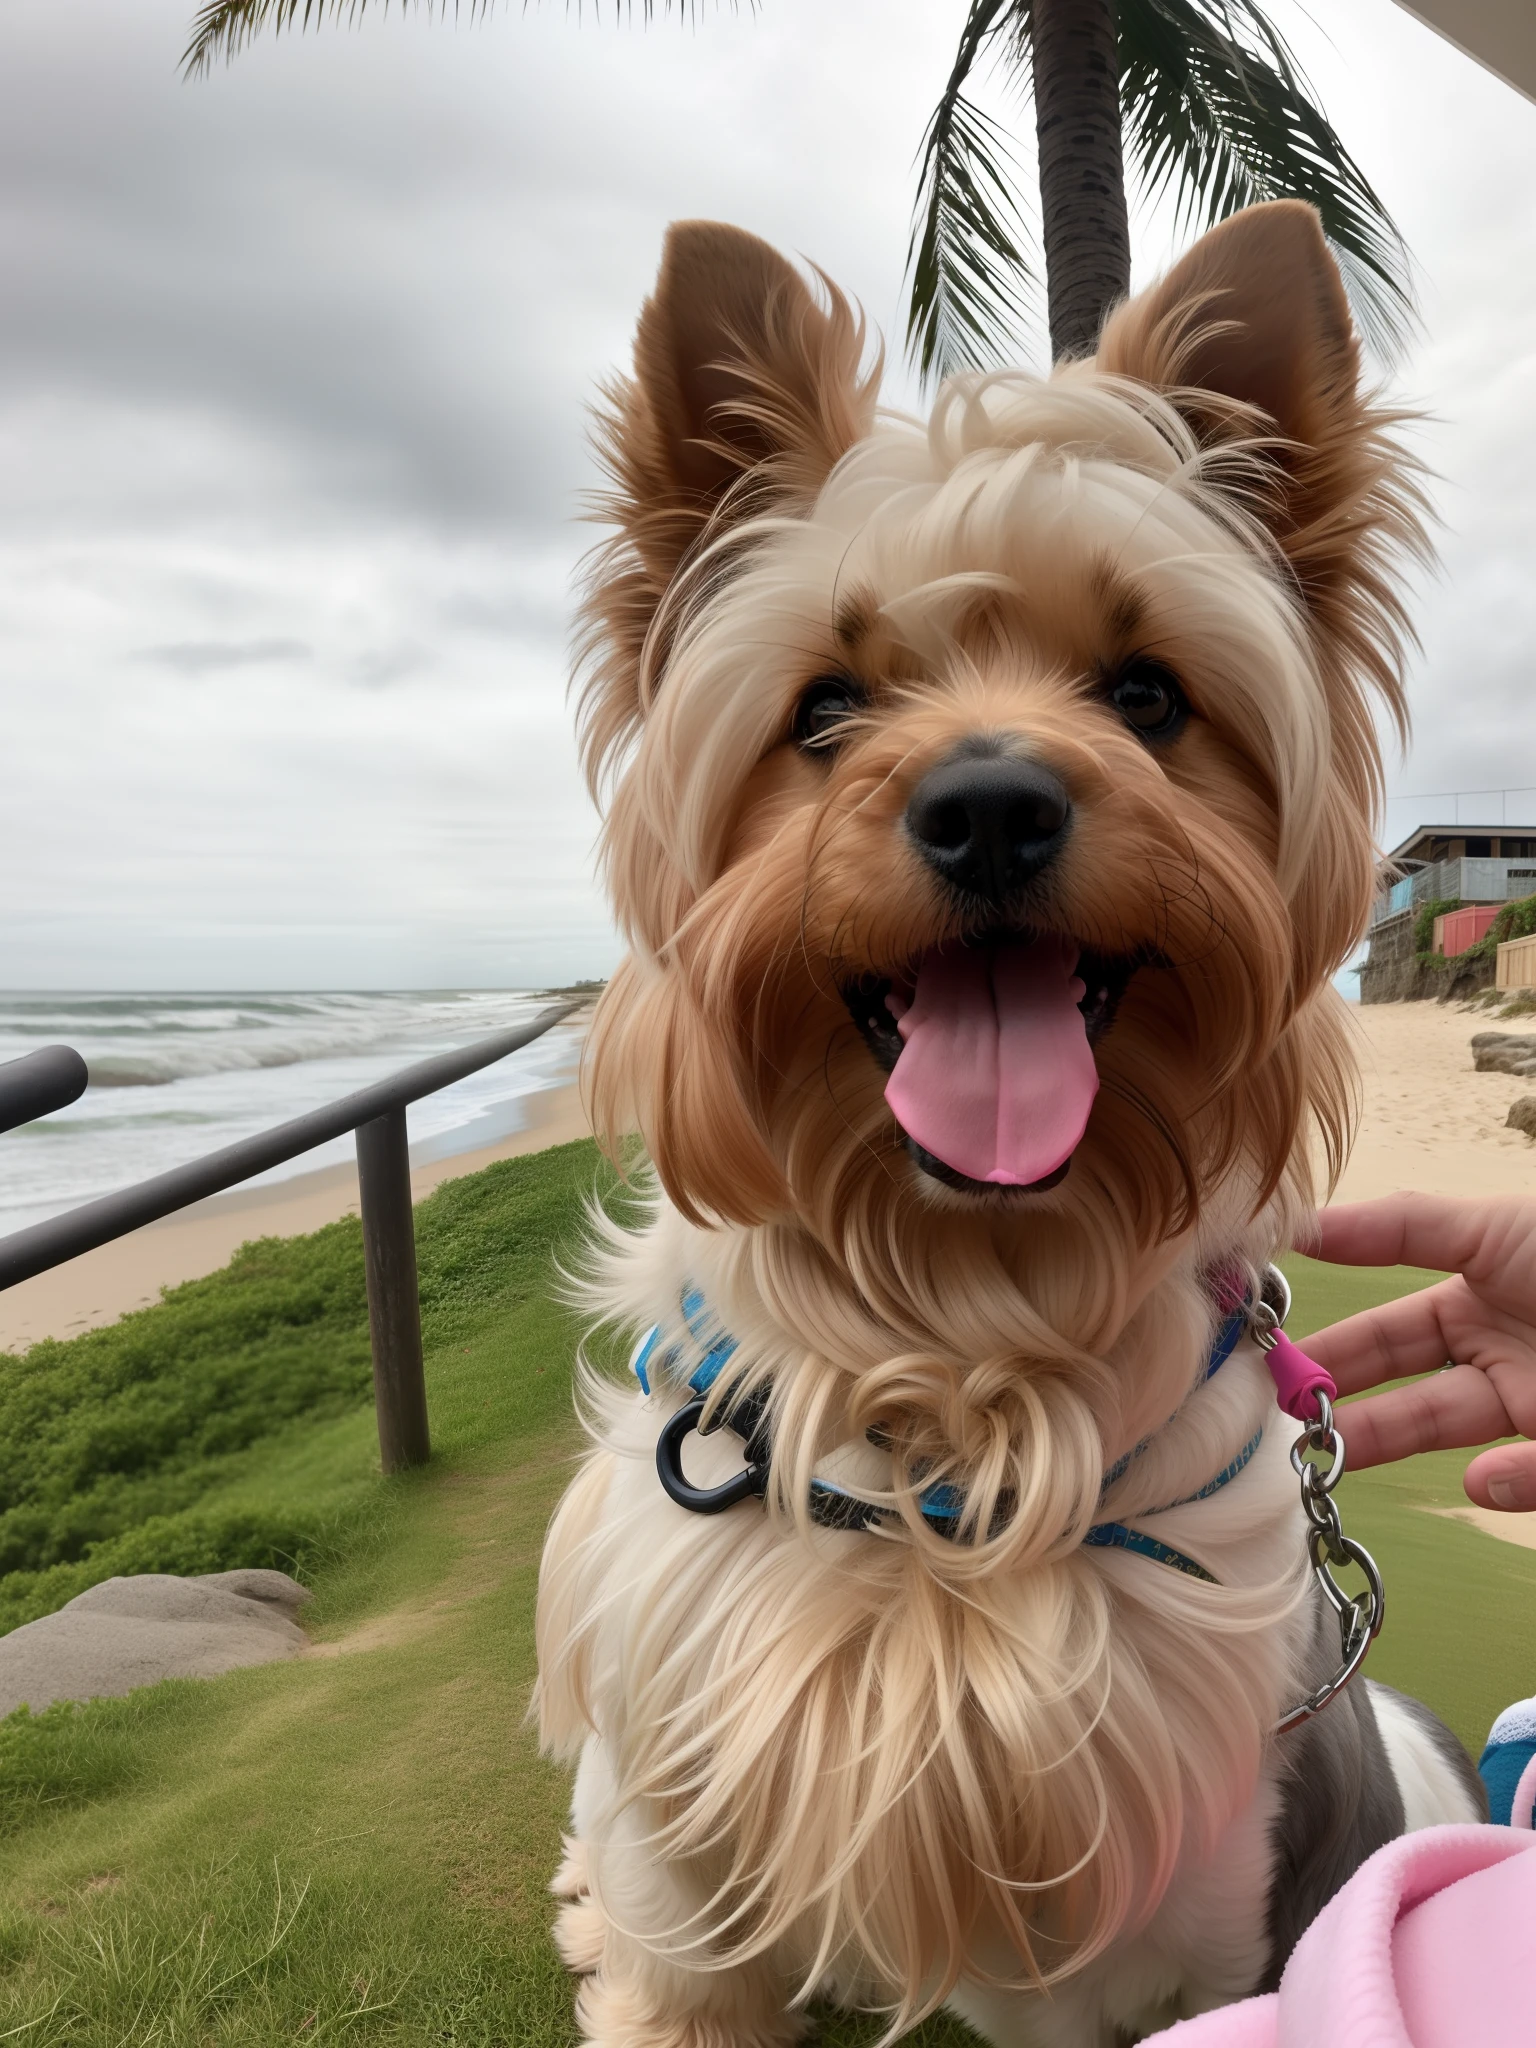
x: 176, y: 1075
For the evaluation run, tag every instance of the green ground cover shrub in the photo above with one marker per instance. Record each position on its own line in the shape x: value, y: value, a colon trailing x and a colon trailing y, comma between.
x: 354, y: 1847
x: 1424, y: 925
x: 1515, y: 921
x: 1452, y: 977
x: 152, y: 1445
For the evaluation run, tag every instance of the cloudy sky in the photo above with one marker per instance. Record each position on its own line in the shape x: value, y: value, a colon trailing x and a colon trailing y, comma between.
x: 292, y: 372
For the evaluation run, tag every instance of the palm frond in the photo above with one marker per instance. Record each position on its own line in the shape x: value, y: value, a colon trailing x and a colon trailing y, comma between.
x: 1216, y: 107
x: 970, y: 280
x: 222, y: 28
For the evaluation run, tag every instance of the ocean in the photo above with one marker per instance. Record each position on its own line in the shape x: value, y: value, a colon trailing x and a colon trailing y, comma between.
x: 174, y: 1076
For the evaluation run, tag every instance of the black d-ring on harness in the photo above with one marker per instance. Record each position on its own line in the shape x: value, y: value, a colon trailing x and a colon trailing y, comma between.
x: 748, y: 1417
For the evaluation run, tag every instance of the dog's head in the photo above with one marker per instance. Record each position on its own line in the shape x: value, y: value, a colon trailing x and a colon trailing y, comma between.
x: 992, y: 801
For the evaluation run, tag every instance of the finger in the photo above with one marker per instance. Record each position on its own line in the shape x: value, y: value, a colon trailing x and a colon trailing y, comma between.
x: 1447, y: 1412
x: 1401, y: 1230
x: 1504, y: 1478
x: 1387, y: 1343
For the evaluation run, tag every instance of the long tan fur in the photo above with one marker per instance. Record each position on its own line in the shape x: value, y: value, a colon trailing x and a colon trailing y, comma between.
x: 893, y: 1764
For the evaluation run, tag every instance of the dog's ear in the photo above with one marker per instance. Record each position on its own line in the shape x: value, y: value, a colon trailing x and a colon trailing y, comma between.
x: 1255, y: 312
x: 736, y: 366
x: 1250, y: 335
x: 746, y: 391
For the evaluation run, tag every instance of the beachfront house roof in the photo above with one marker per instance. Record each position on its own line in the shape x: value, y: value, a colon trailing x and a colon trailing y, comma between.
x: 1427, y: 843
x: 1498, y: 33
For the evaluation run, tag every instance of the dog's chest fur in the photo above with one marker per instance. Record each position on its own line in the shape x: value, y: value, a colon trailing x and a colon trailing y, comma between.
x: 725, y: 1663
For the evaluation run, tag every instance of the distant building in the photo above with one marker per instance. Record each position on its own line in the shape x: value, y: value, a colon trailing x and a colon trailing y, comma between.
x: 1466, y: 864
x: 1430, y: 843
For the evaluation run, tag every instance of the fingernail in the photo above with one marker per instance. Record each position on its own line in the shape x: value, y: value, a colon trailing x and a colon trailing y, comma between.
x: 1513, y: 1494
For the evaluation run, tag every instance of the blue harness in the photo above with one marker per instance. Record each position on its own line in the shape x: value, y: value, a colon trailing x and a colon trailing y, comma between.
x: 834, y: 1507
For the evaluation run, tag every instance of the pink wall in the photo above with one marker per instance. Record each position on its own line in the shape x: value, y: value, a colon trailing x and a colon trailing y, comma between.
x: 1462, y: 928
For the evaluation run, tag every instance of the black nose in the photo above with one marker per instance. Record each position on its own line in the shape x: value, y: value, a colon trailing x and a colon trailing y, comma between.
x: 988, y: 824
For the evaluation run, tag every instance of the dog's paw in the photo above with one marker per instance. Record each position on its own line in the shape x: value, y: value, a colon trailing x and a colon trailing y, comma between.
x: 578, y: 1932
x: 622, y: 2014
x: 570, y: 1880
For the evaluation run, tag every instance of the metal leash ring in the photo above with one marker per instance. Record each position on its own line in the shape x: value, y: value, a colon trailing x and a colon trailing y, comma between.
x: 1359, y: 1615
x: 1316, y: 1482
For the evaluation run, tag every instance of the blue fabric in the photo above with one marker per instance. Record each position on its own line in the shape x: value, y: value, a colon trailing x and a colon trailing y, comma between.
x: 1226, y: 1343
x: 717, y: 1350
x: 1227, y: 1339
x: 639, y: 1365
x: 1500, y: 1767
x: 1115, y: 1535
x: 1517, y: 1723
x: 1224, y: 1477
x: 1120, y: 1536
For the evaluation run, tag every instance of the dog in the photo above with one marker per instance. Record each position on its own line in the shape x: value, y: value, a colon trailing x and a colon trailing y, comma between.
x: 988, y: 806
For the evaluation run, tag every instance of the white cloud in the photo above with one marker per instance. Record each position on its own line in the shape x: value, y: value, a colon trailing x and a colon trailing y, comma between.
x: 293, y: 368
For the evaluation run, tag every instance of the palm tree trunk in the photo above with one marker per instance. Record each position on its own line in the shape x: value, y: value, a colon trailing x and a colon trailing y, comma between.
x: 1082, y: 177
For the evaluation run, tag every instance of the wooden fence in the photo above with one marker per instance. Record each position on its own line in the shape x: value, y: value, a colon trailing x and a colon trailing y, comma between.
x: 1515, y: 965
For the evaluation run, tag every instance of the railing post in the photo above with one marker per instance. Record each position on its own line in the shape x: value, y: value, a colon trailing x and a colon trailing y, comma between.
x: 394, y: 1308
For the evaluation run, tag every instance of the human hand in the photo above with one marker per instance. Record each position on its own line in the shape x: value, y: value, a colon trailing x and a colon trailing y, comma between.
x: 1483, y: 1319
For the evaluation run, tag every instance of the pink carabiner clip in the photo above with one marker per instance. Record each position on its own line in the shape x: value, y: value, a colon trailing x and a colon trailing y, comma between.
x: 1298, y: 1379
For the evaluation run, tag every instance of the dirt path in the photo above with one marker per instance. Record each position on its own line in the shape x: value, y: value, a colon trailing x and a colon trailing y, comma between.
x: 1517, y: 1529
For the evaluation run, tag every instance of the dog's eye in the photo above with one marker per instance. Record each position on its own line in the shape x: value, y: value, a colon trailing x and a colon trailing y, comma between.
x: 1147, y: 696
x: 824, y: 709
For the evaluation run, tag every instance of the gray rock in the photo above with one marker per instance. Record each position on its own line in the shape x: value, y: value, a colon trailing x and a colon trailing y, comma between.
x: 130, y: 1632
x: 1504, y: 1052
x: 1522, y: 1115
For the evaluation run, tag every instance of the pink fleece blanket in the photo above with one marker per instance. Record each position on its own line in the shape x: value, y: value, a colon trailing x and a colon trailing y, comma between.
x: 1429, y: 1945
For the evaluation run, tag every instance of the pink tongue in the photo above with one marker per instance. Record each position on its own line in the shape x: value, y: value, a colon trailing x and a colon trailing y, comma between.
x: 996, y: 1076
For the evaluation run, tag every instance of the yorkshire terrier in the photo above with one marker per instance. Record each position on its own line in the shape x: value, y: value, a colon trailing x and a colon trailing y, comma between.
x: 990, y: 803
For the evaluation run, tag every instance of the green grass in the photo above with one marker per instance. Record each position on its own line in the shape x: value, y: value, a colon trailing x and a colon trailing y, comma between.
x: 355, y: 1847
x: 1457, y: 1632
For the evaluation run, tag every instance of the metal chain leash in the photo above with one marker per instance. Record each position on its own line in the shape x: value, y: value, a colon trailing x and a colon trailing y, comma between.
x: 1317, y: 1457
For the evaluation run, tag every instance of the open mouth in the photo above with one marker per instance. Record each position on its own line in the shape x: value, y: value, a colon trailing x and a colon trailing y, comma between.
x: 988, y: 1045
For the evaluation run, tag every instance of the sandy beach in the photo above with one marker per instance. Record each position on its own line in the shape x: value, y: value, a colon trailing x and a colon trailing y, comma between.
x: 1520, y: 1529
x: 1429, y: 1121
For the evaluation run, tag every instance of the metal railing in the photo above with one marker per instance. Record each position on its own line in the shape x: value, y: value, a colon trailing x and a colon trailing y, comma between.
x: 56, y: 1076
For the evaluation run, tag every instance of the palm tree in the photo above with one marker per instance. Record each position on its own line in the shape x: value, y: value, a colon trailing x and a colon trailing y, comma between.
x: 1203, y: 96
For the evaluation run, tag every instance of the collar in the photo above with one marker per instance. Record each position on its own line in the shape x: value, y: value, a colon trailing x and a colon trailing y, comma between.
x: 942, y: 1506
